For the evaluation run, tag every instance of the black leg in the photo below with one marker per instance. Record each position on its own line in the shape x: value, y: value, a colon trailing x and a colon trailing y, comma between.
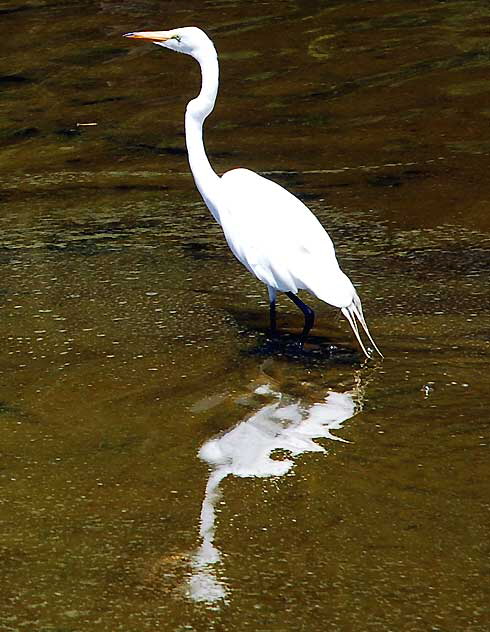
x: 272, y: 307
x: 307, y: 311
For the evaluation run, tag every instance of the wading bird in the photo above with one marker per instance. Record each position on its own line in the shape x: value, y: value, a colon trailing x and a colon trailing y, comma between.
x: 270, y: 231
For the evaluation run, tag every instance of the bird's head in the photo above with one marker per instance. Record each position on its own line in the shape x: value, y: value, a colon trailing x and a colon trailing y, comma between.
x: 188, y: 39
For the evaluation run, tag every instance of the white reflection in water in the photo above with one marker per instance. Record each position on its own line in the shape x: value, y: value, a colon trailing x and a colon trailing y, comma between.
x: 246, y: 450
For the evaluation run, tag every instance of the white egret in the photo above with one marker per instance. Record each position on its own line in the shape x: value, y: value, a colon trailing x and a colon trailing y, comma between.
x: 272, y: 233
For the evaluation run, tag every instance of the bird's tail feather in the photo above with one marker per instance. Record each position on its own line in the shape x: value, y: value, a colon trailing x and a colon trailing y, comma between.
x: 353, y: 312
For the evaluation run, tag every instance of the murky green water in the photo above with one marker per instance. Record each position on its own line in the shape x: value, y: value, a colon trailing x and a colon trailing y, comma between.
x: 162, y: 467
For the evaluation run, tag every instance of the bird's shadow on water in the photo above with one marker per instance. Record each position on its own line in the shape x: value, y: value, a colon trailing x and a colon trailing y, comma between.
x: 286, y: 344
x: 316, y: 351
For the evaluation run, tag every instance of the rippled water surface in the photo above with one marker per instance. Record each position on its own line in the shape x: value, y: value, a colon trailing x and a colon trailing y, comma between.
x: 163, y: 466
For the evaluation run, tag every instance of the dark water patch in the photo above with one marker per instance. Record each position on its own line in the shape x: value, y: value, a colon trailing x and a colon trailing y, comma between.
x: 155, y: 149
x: 98, y: 101
x: 471, y: 59
x: 90, y: 56
x: 14, y: 80
x: 306, y: 197
x: 5, y: 10
x: 93, y: 189
x: 119, y: 444
x: 40, y: 5
x: 141, y: 187
x: 243, y: 25
x: 384, y: 180
x: 68, y: 132
x: 15, y: 414
x: 18, y: 135
x: 201, y: 249
x: 396, y: 179
x: 427, y: 17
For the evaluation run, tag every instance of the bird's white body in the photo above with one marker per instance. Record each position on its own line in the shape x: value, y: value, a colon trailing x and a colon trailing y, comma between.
x: 279, y: 239
x: 270, y: 231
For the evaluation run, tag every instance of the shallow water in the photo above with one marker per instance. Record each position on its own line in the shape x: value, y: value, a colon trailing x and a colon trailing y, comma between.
x: 164, y: 467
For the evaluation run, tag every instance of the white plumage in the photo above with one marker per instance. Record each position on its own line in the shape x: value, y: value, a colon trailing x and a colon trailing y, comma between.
x: 272, y: 233
x: 290, y: 251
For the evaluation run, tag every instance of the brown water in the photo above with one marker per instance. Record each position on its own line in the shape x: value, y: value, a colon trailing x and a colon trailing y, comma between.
x: 162, y: 467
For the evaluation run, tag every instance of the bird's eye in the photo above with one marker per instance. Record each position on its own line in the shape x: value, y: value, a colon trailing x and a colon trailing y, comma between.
x: 177, y: 37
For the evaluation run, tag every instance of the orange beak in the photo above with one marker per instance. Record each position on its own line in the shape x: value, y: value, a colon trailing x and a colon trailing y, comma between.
x: 151, y: 36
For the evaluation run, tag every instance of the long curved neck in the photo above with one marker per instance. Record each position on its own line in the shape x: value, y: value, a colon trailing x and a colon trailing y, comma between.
x: 197, y: 110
